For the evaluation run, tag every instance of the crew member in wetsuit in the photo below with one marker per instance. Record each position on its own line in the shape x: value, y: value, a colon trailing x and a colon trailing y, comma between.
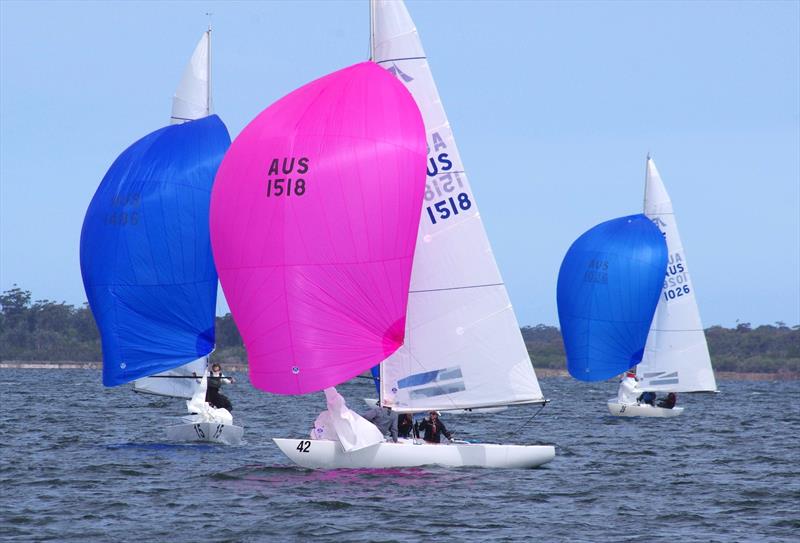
x: 213, y: 395
x: 434, y: 428
x: 669, y: 402
x: 405, y: 425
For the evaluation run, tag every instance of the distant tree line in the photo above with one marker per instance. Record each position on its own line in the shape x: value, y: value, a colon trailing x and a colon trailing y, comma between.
x: 764, y: 349
x: 44, y: 330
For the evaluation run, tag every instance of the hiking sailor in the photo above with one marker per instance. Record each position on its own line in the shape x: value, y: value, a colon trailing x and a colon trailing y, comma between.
x: 213, y: 395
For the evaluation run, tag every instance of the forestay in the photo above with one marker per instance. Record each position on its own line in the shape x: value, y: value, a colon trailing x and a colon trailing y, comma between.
x: 192, y: 99
x: 676, y: 357
x: 463, y: 344
x: 146, y: 255
x: 314, y: 216
x: 608, y: 288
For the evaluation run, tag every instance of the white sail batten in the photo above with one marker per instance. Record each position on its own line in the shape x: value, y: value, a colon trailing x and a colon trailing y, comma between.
x: 676, y: 357
x: 175, y: 383
x: 192, y: 99
x: 463, y: 346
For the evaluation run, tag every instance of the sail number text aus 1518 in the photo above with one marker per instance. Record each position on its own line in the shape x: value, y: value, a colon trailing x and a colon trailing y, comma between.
x: 276, y: 187
x: 287, y: 186
x: 448, y: 208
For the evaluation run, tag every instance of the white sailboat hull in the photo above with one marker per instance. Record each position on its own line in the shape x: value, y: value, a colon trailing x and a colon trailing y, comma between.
x: 208, y: 432
x: 327, y: 454
x: 641, y: 410
x: 371, y: 402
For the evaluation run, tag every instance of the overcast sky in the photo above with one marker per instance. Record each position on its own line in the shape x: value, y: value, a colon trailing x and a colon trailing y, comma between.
x: 554, y: 106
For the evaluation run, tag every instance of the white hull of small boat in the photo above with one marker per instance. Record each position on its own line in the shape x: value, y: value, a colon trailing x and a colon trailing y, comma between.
x: 210, y: 432
x: 642, y: 410
x: 328, y: 454
x: 372, y: 402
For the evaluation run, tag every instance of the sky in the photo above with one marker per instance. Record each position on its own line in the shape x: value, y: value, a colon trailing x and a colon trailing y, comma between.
x: 554, y: 106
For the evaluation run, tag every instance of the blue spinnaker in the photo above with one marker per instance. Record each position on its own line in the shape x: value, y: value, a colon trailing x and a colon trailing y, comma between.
x: 146, y: 255
x: 608, y: 289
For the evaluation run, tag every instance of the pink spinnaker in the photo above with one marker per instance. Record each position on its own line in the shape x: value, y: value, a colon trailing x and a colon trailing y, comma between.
x: 314, y: 218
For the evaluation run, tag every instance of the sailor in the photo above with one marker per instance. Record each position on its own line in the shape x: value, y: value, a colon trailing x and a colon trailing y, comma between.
x: 628, y: 390
x: 213, y: 395
x: 434, y: 428
x: 384, y: 418
x: 669, y: 402
x: 648, y: 398
x: 405, y: 425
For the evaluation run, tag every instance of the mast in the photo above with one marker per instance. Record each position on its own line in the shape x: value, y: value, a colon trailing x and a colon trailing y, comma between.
x: 646, y: 180
x: 208, y: 67
x: 372, y: 30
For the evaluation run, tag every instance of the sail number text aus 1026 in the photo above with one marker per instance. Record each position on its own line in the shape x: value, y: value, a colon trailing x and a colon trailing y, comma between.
x: 672, y: 293
x: 450, y: 207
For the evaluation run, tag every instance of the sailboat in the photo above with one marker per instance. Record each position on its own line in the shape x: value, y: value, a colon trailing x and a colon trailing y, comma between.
x: 314, y: 218
x: 463, y: 347
x: 146, y: 258
x: 676, y: 357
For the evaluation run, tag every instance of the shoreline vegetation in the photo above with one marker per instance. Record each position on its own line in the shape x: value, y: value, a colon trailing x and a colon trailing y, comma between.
x: 240, y: 367
x: 51, y: 335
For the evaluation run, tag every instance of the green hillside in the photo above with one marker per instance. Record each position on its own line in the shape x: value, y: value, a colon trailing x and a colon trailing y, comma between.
x: 44, y: 330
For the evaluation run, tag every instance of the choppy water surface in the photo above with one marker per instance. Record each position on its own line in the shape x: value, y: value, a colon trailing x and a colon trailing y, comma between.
x: 84, y: 463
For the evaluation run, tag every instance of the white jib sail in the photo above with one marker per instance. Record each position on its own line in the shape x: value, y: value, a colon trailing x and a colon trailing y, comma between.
x: 676, y: 356
x: 175, y: 383
x: 192, y: 98
x: 463, y: 346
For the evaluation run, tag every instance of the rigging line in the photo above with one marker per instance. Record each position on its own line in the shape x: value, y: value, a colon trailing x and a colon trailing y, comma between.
x: 518, y: 430
x: 455, y: 288
x: 398, y: 59
x: 197, y: 377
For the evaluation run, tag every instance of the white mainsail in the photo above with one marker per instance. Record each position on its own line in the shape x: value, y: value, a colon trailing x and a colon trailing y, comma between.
x: 676, y: 356
x: 192, y: 98
x: 463, y: 346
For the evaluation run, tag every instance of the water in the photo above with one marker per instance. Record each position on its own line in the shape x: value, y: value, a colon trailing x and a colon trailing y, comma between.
x: 83, y: 463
